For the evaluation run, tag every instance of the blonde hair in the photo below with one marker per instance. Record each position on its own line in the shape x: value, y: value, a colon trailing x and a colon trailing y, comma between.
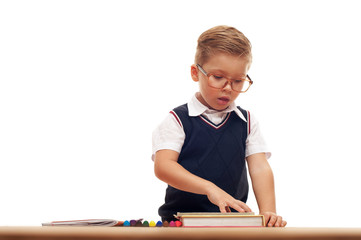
x: 223, y: 39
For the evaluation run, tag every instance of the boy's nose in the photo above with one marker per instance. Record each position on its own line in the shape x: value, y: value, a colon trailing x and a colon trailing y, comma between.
x: 228, y: 86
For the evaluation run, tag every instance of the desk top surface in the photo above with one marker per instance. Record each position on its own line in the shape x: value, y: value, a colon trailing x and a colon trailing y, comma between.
x: 176, y: 233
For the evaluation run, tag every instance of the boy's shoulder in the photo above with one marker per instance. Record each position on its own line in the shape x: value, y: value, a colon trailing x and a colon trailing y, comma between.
x: 181, y: 108
x: 244, y: 112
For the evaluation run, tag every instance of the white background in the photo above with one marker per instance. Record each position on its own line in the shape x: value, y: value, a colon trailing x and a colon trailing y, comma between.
x: 84, y: 83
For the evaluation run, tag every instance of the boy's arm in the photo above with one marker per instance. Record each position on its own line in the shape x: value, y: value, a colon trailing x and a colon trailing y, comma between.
x: 167, y: 169
x: 263, y: 187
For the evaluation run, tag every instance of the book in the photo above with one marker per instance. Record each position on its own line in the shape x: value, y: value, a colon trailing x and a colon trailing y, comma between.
x: 217, y: 219
x: 85, y: 222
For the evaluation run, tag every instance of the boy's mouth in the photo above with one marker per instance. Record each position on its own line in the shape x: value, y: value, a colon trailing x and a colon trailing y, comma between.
x: 223, y: 100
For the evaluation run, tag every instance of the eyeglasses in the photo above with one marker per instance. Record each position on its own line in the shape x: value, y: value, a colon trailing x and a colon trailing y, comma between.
x: 218, y: 81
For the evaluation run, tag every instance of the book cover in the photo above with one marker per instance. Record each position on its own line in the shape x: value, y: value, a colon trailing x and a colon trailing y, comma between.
x: 85, y: 222
x: 217, y: 219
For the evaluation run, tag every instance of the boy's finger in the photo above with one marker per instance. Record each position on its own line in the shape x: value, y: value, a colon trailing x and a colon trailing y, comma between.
x: 238, y: 208
x: 284, y: 223
x: 228, y: 209
x: 278, y: 222
x: 272, y: 221
x: 222, y: 207
x: 245, y: 207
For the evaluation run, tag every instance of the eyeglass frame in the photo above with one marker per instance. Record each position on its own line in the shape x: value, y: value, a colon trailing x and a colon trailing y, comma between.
x: 229, y: 80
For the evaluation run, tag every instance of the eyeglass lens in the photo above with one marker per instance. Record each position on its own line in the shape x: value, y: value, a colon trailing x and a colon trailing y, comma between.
x: 220, y: 82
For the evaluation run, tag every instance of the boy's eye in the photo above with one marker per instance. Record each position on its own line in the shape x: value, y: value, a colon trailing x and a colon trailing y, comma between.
x: 239, y: 81
x: 218, y: 77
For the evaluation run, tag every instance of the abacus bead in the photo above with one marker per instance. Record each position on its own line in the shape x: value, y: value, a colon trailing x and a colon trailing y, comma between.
x: 152, y: 224
x: 165, y: 224
x: 178, y: 223
x: 159, y: 224
x: 172, y: 224
x: 126, y: 224
x: 145, y: 224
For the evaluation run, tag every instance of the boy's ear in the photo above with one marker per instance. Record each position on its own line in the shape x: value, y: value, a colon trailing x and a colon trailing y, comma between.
x: 194, y: 73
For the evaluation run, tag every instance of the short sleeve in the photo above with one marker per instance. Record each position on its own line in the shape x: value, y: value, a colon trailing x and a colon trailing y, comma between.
x: 168, y: 135
x: 255, y: 142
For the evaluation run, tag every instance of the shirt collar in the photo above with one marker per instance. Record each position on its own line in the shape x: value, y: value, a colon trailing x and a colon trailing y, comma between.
x: 196, y: 108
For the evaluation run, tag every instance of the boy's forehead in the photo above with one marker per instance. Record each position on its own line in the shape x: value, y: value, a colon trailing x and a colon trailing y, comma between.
x: 227, y: 63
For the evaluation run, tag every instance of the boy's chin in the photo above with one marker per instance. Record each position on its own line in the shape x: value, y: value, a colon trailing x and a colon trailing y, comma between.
x: 220, y: 108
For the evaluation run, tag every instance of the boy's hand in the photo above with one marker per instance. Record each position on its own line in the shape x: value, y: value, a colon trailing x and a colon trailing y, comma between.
x: 273, y: 220
x: 224, y: 201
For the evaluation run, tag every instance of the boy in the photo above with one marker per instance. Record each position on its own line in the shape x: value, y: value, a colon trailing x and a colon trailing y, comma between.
x: 201, y: 148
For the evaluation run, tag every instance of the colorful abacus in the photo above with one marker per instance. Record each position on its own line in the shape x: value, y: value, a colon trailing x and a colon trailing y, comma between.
x: 140, y: 223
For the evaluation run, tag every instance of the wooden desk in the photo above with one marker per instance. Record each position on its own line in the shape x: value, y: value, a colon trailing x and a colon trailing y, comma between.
x: 142, y: 233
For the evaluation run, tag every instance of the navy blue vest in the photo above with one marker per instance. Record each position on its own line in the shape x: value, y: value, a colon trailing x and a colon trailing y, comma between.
x: 213, y: 152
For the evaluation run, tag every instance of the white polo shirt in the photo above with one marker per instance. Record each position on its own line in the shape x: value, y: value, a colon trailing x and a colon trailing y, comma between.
x: 170, y: 134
